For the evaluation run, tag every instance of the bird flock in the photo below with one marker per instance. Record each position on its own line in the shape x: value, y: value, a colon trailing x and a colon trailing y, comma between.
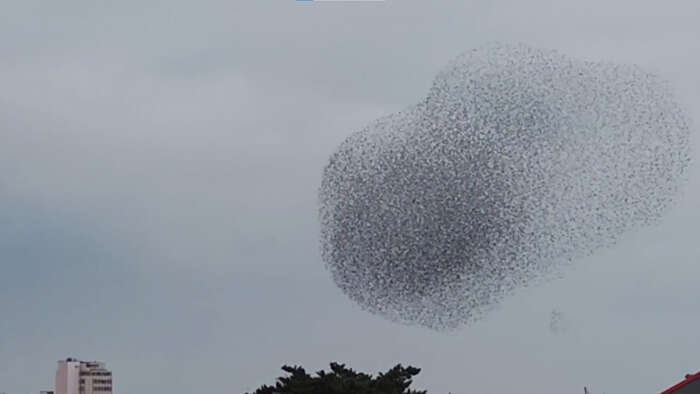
x: 517, y: 161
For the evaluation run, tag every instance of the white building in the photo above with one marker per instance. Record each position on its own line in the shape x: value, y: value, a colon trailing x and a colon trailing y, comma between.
x: 82, y: 377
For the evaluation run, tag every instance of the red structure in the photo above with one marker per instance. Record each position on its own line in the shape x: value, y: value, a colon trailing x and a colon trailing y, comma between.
x: 690, y: 385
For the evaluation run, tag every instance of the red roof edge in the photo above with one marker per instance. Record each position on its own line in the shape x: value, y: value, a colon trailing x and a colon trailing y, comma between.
x: 688, y: 379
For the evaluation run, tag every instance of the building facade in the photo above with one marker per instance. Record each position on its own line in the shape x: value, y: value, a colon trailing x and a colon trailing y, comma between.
x: 83, y: 377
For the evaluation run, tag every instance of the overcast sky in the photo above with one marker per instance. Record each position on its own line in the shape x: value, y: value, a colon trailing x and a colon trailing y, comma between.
x: 159, y: 166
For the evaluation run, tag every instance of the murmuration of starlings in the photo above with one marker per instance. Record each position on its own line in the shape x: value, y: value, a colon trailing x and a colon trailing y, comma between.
x: 519, y: 160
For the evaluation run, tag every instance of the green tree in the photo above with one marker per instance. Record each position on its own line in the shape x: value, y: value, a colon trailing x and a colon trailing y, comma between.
x: 343, y: 380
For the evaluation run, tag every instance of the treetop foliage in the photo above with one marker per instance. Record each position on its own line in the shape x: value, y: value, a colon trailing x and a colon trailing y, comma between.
x: 343, y: 380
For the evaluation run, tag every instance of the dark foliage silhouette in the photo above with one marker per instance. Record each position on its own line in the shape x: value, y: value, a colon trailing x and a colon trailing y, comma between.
x: 343, y: 380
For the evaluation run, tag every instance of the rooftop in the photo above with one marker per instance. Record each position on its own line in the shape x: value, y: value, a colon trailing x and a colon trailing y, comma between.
x: 688, y: 379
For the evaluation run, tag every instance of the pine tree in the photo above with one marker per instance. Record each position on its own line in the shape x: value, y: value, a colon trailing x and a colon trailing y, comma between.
x: 343, y: 380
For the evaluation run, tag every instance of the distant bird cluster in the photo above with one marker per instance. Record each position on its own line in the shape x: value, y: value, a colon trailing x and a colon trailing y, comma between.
x: 518, y: 160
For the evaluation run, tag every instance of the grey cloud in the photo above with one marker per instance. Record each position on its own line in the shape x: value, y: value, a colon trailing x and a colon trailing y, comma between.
x: 161, y: 140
